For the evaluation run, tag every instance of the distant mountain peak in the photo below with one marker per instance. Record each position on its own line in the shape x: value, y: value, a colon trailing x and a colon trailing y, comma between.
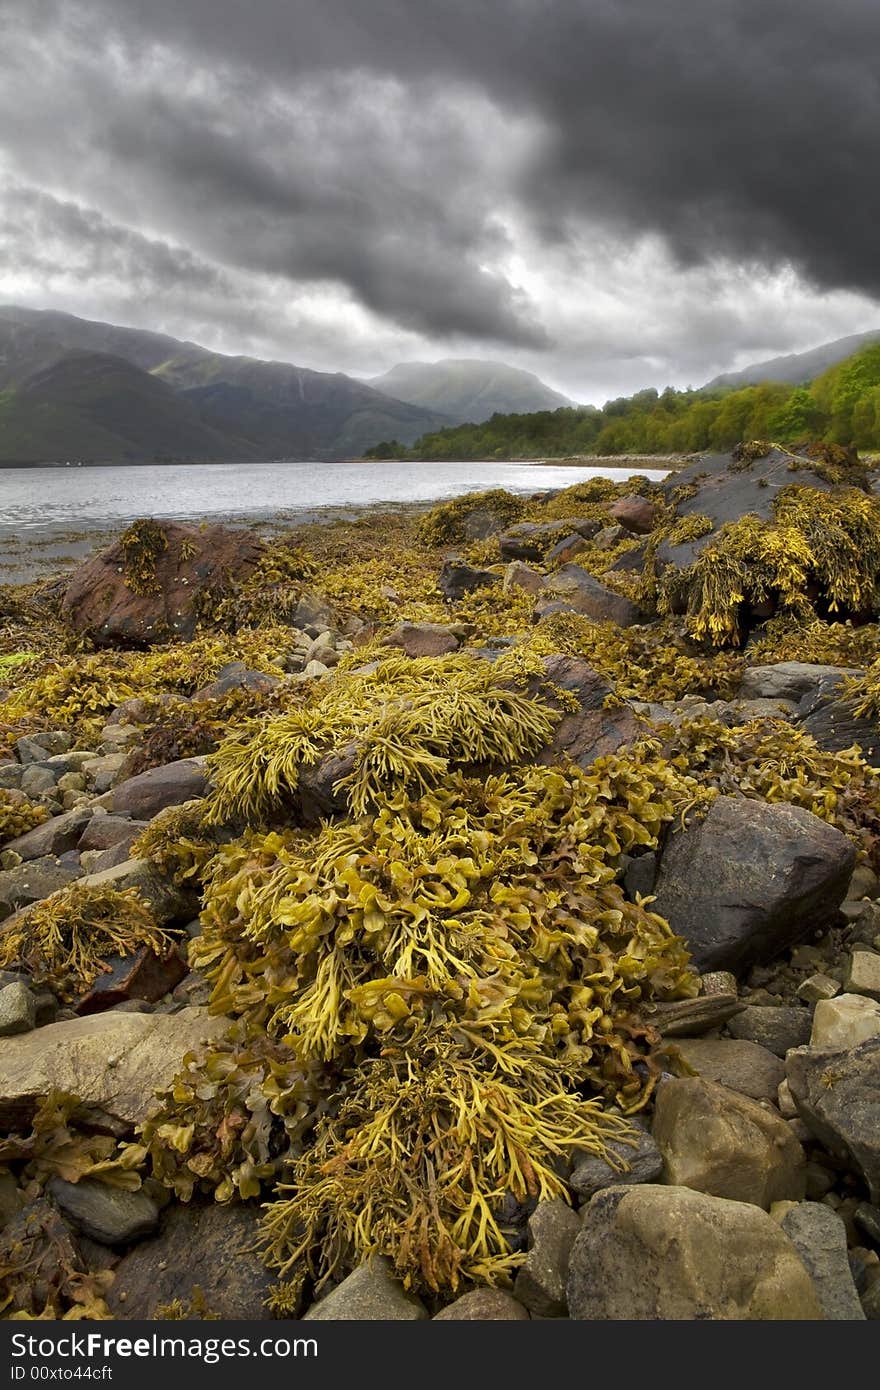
x: 469, y: 389
x: 797, y: 367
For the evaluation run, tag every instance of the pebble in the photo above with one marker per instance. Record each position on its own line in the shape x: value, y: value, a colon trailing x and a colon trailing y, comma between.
x: 17, y: 1010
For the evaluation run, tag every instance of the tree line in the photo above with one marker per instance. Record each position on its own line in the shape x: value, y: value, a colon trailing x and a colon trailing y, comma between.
x: 841, y: 406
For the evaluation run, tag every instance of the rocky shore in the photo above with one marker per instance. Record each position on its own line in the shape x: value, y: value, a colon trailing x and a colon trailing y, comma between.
x: 474, y: 915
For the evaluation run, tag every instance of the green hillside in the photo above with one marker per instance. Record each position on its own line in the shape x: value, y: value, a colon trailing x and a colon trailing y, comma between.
x: 841, y: 406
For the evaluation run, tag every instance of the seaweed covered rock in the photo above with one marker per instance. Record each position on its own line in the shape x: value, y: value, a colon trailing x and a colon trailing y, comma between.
x: 750, y: 879
x: 596, y: 726
x: 458, y: 578
x: 762, y: 532
x: 146, y: 587
x: 839, y: 713
x: 656, y: 1251
x: 572, y: 590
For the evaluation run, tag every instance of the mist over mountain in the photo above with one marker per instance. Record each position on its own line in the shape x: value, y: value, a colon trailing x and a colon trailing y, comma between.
x: 468, y: 390
x: 73, y: 388
x: 797, y: 367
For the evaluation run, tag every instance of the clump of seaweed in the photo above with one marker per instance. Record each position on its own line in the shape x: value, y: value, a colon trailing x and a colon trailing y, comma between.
x: 819, y: 556
x: 448, y: 523
x: 66, y: 938
x: 18, y: 815
x: 784, y: 638
x: 651, y: 663
x: 417, y: 1161
x: 772, y: 760
x: 56, y: 1146
x: 404, y: 725
x: 143, y: 543
x: 181, y: 842
x: 43, y: 1274
x: 230, y: 1121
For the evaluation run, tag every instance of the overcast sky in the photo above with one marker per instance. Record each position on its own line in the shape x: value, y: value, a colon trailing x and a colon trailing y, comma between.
x: 611, y: 193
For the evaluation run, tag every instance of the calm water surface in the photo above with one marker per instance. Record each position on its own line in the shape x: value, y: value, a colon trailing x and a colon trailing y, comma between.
x: 51, y: 517
x: 40, y: 499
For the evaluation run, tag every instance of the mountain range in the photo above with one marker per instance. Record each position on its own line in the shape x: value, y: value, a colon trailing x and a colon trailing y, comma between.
x: 75, y: 389
x: 797, y: 368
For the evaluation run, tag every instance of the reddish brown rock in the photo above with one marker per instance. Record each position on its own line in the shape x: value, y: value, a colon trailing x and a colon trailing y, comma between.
x: 101, y: 602
x: 637, y: 514
x: 422, y: 639
x: 144, y: 796
x: 141, y: 976
x: 592, y: 731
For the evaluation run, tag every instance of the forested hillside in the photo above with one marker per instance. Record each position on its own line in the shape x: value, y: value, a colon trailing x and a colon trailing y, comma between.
x: 842, y: 406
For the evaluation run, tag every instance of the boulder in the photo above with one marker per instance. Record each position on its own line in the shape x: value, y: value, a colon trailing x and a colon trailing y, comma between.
x: 105, y: 831
x: 590, y: 1174
x: 201, y: 1249
x: 565, y: 550
x: 831, y: 720
x: 371, y: 1294
x: 457, y: 579
x: 592, y: 731
x: 845, y: 1021
x: 18, y: 1013
x: 740, y: 1065
x: 540, y: 1281
x: 55, y: 836
x: 35, y: 748
x: 144, y: 796
x: 863, y: 974
x: 107, y: 1214
x: 717, y: 1141
x: 787, y: 680
x: 113, y: 1061
x: 483, y: 1305
x: 530, y: 540
x: 314, y: 611
x: 749, y: 879
x: 819, y: 1236
x: 776, y: 1029
x: 143, y: 975
x: 519, y: 576
x: 572, y: 590
x: 166, y: 901
x: 101, y: 602
x: 422, y: 639
x: 669, y: 1253
x: 636, y: 513
x: 236, y: 676
x: 32, y: 882
x: 837, y: 1094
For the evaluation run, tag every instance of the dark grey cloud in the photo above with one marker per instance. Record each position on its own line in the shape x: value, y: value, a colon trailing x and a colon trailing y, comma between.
x: 413, y: 154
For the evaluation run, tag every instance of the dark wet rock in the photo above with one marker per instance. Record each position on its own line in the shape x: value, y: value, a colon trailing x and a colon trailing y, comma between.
x: 236, y: 676
x: 668, y: 1253
x: 593, y: 730
x: 457, y: 579
x: 819, y: 1236
x: 837, y: 1094
x: 144, y: 796
x: 111, y: 858
x: 35, y: 748
x: 566, y: 549
x: 55, y: 836
x: 99, y: 602
x: 540, y: 1281
x: 422, y: 639
x: 105, y: 831
x: 715, y: 1140
x: 318, y: 792
x: 109, y: 1215
x: 642, y: 1163
x: 776, y: 1029
x: 33, y: 881
x: 370, y: 1294
x: 750, y: 879
x: 530, y: 540
x: 831, y: 720
x: 639, y: 875
x: 572, y: 590
x: 199, y: 1247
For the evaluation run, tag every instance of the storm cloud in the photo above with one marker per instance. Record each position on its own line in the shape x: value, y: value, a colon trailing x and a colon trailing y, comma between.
x: 613, y: 194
